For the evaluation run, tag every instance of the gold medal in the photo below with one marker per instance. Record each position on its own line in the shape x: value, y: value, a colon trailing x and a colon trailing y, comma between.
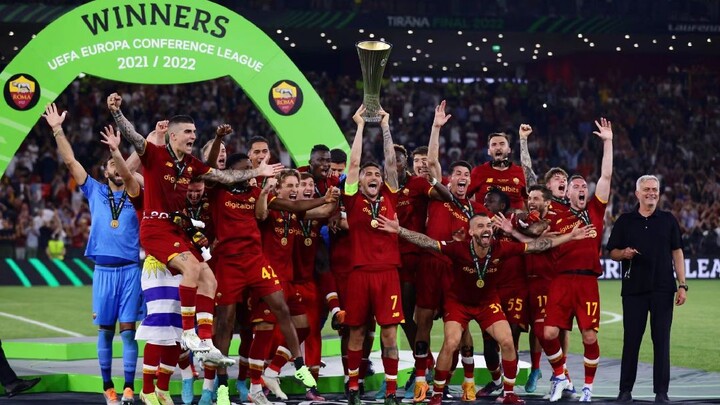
x: 308, y: 241
x: 283, y: 241
x: 374, y: 223
x: 480, y: 283
x: 114, y: 223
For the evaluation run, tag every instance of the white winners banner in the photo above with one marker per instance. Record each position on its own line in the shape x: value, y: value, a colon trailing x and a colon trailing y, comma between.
x: 695, y: 268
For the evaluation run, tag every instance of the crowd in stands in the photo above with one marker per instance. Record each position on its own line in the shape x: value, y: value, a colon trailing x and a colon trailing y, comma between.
x: 666, y: 126
x: 655, y: 10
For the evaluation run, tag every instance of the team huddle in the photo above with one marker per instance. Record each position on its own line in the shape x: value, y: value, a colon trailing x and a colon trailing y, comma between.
x: 235, y: 243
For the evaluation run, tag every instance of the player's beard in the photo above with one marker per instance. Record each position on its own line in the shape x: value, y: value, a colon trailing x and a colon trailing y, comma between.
x: 116, y: 180
x: 478, y: 239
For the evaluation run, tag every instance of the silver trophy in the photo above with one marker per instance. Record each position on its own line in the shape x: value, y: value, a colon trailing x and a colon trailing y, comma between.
x: 373, y: 58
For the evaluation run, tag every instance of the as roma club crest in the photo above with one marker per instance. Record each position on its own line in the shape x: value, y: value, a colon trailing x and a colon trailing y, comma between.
x: 285, y: 97
x: 22, y: 92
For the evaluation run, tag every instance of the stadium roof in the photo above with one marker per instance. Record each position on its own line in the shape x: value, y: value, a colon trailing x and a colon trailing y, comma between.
x: 452, y: 44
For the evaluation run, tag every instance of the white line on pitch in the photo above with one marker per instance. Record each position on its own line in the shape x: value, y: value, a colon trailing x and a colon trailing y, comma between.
x: 615, y: 317
x: 40, y: 324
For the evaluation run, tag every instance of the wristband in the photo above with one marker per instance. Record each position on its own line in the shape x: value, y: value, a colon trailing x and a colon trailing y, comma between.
x: 57, y: 131
x: 433, y: 182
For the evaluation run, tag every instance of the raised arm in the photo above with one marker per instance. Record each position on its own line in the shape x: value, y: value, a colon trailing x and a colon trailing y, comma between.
x: 391, y: 174
x: 65, y: 151
x: 602, y: 190
x: 220, y: 133
x: 416, y: 238
x: 156, y: 137
x: 434, y: 144
x: 236, y: 176
x: 261, y: 206
x: 112, y: 140
x: 439, y: 191
x: 126, y: 128
x: 353, y: 174
x: 530, y: 176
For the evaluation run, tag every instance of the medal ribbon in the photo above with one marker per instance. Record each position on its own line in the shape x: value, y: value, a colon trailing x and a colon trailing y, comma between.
x: 476, y: 261
x: 306, y: 228
x: 115, y: 210
x: 196, y: 213
x: 179, y: 166
x: 582, y: 215
x: 375, y: 207
x: 466, y: 209
x: 286, y: 223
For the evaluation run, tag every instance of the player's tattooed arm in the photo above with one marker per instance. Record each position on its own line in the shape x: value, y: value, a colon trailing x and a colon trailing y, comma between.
x: 393, y: 226
x: 236, y: 176
x: 525, y: 161
x: 539, y: 245
x: 545, y: 242
x: 419, y: 239
x: 391, y: 174
x: 126, y: 128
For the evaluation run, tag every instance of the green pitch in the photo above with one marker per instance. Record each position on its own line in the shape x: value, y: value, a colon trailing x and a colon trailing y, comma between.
x: 693, y: 344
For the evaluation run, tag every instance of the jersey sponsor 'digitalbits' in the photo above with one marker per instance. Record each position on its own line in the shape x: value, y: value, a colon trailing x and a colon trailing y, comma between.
x: 166, y: 182
x: 581, y: 254
x: 464, y: 285
x: 279, y: 231
x: 236, y: 227
x: 412, y: 206
x: 371, y: 246
x: 511, y: 181
x: 444, y: 218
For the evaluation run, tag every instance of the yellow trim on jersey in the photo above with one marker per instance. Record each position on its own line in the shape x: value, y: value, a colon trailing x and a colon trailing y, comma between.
x: 600, y: 199
x: 526, y: 247
x: 390, y: 188
x: 133, y: 196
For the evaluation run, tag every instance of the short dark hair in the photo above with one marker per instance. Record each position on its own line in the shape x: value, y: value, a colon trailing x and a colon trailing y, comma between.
x: 420, y: 150
x: 504, y: 199
x: 503, y: 134
x: 306, y: 175
x: 463, y: 163
x: 481, y: 214
x: 196, y: 180
x: 546, y: 193
x: 575, y: 177
x: 319, y: 148
x: 180, y: 119
x: 256, y: 139
x: 553, y: 171
x: 338, y: 156
x: 236, y: 157
x: 370, y: 163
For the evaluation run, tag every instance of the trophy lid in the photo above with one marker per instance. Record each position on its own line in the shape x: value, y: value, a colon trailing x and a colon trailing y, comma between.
x: 373, y: 45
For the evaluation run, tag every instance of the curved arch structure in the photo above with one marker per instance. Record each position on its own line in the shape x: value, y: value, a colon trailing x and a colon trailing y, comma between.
x: 165, y: 42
